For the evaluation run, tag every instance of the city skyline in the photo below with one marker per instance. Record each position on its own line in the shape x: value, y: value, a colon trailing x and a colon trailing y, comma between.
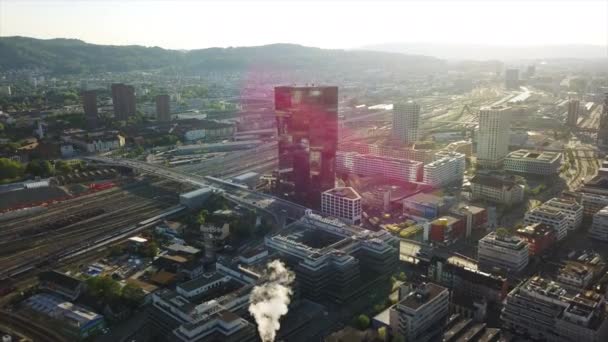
x: 187, y: 25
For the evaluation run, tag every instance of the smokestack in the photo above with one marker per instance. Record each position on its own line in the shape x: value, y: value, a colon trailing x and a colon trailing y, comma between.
x: 269, y: 301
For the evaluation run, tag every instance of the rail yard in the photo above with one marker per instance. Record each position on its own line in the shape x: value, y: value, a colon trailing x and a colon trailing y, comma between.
x: 75, y: 223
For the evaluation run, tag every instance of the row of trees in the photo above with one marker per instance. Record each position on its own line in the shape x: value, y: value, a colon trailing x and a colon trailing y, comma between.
x: 15, y: 170
x: 109, y: 290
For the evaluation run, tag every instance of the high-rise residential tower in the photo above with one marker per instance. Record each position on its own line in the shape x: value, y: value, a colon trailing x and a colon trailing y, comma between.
x: 307, y: 123
x: 573, y: 111
x: 89, y: 104
x: 602, y: 135
x: 493, y: 136
x: 405, y: 122
x: 163, y: 112
x: 123, y: 98
x: 512, y: 78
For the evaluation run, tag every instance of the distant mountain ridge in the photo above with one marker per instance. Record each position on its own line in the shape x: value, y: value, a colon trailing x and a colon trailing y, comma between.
x: 489, y: 52
x: 74, y: 56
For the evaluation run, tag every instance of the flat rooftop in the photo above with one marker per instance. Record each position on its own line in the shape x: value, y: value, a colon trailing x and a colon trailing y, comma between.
x: 310, y: 237
x: 422, y: 295
x: 423, y: 198
x: 542, y: 156
x: 493, y: 180
x: 347, y: 192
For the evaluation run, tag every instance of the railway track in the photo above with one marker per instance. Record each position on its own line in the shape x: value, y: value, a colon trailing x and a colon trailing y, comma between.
x: 121, y: 208
x: 30, y: 329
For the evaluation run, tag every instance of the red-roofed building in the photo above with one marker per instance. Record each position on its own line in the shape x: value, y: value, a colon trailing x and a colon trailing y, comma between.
x: 539, y: 236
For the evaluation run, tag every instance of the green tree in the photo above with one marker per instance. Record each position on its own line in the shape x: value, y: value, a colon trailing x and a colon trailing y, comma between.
x: 150, y: 250
x: 502, y: 232
x: 201, y: 218
x: 63, y: 167
x: 362, y: 322
x: 103, y: 287
x: 41, y: 168
x: 382, y: 333
x: 10, y: 169
x: 133, y: 295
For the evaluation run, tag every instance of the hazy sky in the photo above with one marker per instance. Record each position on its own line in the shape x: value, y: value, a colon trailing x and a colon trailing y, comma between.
x: 329, y: 24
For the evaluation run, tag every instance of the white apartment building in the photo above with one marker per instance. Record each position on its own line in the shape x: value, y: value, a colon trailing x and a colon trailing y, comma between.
x: 493, y: 136
x: 592, y: 203
x: 405, y: 121
x: 508, y: 253
x: 496, y: 189
x: 96, y: 142
x: 390, y: 168
x: 555, y: 218
x: 343, y: 203
x: 420, y: 314
x: 538, y: 163
x: 575, y: 276
x: 422, y: 155
x: 447, y: 169
x: 573, y: 211
x: 599, y: 228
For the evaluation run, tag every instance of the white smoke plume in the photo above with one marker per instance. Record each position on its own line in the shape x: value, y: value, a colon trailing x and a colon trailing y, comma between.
x: 269, y: 301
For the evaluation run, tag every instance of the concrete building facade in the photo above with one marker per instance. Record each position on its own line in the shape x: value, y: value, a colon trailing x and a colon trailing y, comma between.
x: 405, y: 122
x: 493, y: 136
x: 599, y: 228
x: 507, y: 253
x: 447, y: 169
x: 555, y: 218
x: 420, y: 314
x: 396, y: 169
x: 532, y: 162
x: 343, y: 203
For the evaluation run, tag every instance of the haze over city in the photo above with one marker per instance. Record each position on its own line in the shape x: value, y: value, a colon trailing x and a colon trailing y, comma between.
x: 325, y: 24
x: 261, y: 171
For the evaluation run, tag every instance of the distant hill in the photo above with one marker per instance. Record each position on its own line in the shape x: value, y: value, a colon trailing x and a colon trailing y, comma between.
x: 489, y: 52
x: 75, y: 56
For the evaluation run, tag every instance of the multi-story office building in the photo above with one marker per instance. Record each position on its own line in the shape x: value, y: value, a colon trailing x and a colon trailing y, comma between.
x: 533, y: 308
x: 405, y: 122
x: 447, y: 169
x: 602, y: 135
x: 584, y: 319
x: 556, y: 218
x: 396, y: 169
x: 467, y: 281
x: 307, y: 124
x: 512, y: 78
x: 599, y: 228
x: 573, y: 210
x: 425, y: 205
x: 123, y: 99
x: 593, y: 203
x: 343, y: 203
x: 497, y: 189
x: 543, y: 310
x: 163, y: 112
x: 89, y: 104
x: 422, y: 155
x: 493, y: 136
x: 420, y: 315
x: 329, y: 257
x: 540, y: 237
x: 575, y: 276
x: 532, y: 162
x: 573, y: 112
x: 507, y: 253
